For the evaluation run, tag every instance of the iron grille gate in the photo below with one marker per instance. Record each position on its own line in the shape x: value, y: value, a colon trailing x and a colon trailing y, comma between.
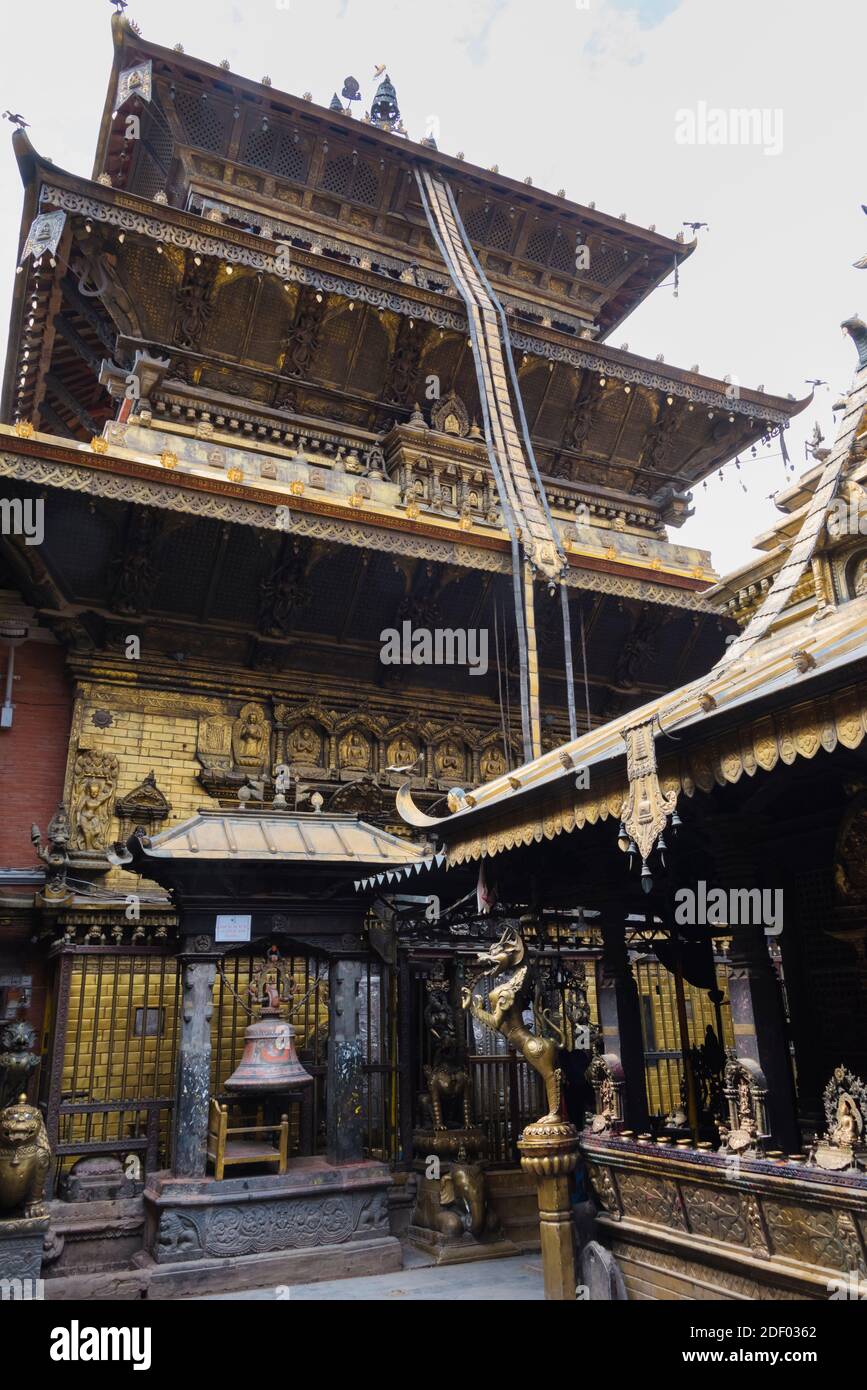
x: 663, y: 1058
x: 110, y: 1086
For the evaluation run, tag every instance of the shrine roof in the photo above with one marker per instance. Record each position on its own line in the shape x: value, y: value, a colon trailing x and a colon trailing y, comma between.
x: 272, y: 835
x: 537, y: 799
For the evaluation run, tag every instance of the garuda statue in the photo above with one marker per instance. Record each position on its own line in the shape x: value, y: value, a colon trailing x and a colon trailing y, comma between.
x: 508, y: 1000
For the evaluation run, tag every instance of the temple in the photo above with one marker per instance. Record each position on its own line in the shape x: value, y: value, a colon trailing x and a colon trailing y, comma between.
x: 405, y: 834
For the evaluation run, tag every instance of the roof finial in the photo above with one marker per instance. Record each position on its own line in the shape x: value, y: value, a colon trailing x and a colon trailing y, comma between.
x: 857, y: 330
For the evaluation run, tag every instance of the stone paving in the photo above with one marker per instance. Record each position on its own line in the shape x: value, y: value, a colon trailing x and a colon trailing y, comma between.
x: 516, y: 1279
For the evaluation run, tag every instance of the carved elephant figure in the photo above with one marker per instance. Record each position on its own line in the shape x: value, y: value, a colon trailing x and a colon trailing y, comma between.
x: 463, y: 1189
x: 455, y: 1203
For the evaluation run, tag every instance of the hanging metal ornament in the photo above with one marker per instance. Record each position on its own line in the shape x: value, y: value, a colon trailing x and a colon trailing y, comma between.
x: 134, y: 82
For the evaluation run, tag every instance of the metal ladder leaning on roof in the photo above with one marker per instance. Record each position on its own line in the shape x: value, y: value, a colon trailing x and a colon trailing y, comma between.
x: 522, y: 496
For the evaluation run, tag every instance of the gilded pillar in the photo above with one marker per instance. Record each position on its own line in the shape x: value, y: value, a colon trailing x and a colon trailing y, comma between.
x: 549, y: 1150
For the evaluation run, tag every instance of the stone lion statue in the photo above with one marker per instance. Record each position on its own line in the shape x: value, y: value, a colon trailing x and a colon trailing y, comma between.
x: 24, y: 1159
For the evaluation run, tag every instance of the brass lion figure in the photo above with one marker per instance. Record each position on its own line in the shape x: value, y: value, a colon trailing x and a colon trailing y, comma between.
x: 508, y: 1002
x: 24, y: 1159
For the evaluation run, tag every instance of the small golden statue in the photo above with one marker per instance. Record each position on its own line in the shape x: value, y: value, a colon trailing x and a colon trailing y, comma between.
x: 746, y: 1094
x: 842, y: 1147
x: 24, y: 1159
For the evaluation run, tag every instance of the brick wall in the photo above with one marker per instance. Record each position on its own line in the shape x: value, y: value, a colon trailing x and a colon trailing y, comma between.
x: 33, y: 752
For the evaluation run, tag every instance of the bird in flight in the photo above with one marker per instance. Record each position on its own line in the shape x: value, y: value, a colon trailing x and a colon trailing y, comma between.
x: 404, y: 767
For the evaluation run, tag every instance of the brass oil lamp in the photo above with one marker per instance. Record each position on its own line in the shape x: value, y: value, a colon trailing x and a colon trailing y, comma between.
x: 269, y: 1064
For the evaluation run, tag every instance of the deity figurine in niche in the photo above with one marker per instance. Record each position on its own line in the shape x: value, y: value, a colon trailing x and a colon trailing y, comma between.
x: 91, y: 819
x: 94, y: 785
x: 402, y: 752
x: 449, y: 760
x: 355, y: 752
x: 492, y: 763
x: 842, y: 1146
x: 303, y: 745
x: 746, y: 1093
x: 251, y: 737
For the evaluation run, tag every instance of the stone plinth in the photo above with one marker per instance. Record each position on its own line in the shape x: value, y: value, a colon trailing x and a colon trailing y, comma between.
x: 21, y: 1241
x: 325, y: 1213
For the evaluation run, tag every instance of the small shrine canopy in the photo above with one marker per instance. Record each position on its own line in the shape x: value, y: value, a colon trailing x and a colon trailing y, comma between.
x: 771, y: 705
x: 269, y: 835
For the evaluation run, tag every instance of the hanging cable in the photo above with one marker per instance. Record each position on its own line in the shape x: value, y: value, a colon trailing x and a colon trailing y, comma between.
x: 508, y: 693
x: 500, y: 685
x: 584, y: 660
x: 567, y: 646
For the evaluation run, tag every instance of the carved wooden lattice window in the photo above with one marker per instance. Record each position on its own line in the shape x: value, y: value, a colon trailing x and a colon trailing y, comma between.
x: 279, y: 150
x: 490, y: 226
x: 292, y: 158
x: 607, y: 262
x: 553, y: 247
x: 154, y: 154
x: 351, y: 178
x: 204, y: 122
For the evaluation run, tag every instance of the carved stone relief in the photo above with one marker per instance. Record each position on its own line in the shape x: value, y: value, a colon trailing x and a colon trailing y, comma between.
x: 94, y: 785
x: 251, y: 738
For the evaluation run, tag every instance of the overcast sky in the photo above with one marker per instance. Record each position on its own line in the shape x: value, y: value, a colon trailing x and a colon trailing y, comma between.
x: 589, y: 96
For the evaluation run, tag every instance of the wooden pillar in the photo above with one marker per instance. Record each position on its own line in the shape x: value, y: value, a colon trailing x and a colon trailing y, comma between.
x: 755, y: 995
x: 759, y: 1024
x: 345, y: 1109
x: 193, y: 1085
x: 620, y: 1019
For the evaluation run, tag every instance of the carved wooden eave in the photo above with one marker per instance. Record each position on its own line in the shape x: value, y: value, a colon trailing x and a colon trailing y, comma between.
x: 712, y: 425
x: 652, y: 256
x: 46, y: 461
x: 771, y: 707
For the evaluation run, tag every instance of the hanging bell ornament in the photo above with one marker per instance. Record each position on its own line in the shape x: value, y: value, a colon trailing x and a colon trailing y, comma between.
x: 269, y: 1064
x: 646, y: 879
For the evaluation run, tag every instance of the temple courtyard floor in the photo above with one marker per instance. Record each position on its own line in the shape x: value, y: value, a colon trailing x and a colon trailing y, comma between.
x: 518, y: 1279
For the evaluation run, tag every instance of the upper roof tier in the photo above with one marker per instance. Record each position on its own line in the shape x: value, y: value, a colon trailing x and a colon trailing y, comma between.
x: 206, y: 132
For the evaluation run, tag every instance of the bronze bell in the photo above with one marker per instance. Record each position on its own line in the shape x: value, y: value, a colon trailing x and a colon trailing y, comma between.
x: 269, y: 1063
